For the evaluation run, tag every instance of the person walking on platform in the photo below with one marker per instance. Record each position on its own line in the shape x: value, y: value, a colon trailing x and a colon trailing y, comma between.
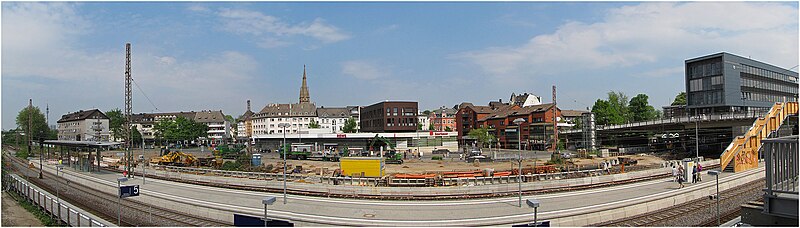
x: 694, y: 175
x: 681, y: 176
x: 674, y: 174
x: 699, y: 169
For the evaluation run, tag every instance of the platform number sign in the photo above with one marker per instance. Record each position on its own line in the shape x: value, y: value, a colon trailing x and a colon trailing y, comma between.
x: 128, y: 191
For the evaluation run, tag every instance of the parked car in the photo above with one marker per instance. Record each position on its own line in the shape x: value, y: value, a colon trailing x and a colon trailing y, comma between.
x: 441, y: 151
x: 567, y: 155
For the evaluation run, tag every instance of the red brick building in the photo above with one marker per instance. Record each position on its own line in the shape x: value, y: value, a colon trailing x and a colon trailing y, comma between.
x: 536, y: 131
x: 467, y: 118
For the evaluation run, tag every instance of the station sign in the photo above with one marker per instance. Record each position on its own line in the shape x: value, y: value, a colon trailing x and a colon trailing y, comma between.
x: 128, y: 191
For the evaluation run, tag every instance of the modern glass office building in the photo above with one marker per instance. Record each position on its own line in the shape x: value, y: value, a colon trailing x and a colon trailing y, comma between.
x: 724, y: 83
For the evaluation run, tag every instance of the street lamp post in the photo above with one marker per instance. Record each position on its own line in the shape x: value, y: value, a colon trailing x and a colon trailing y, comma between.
x: 519, y: 122
x: 144, y: 162
x: 284, y: 126
x: 696, y: 137
x: 269, y: 200
x: 535, y: 205
x: 715, y: 173
x: 119, y: 199
x: 58, y: 189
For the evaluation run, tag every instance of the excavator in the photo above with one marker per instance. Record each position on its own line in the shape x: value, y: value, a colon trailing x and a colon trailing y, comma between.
x: 392, y: 156
x: 175, y: 158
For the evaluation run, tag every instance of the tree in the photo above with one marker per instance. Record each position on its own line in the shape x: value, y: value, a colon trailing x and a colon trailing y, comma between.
x: 136, y: 136
x: 614, y: 110
x: 419, y: 127
x: 680, y: 99
x: 578, y: 123
x: 38, y: 128
x: 430, y: 127
x: 313, y: 124
x: 180, y: 129
x: 115, y: 122
x: 481, y: 135
x: 640, y: 109
x: 426, y: 112
x: 350, y: 125
x: 448, y: 128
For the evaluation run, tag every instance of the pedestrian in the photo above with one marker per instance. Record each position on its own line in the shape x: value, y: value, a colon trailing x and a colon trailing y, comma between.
x: 674, y: 174
x: 699, y: 169
x: 681, y: 176
x: 405, y: 155
x: 694, y: 175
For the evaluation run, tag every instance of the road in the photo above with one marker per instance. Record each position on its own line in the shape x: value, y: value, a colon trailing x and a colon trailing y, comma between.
x: 317, y: 211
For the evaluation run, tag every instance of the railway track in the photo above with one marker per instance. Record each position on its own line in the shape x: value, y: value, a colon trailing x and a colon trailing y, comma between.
x: 97, y: 202
x: 698, y: 207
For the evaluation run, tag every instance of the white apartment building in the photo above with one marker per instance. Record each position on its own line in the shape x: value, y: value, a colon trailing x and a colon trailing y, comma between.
x: 332, y: 119
x: 423, y: 120
x: 218, y: 126
x: 90, y: 125
x: 297, y: 115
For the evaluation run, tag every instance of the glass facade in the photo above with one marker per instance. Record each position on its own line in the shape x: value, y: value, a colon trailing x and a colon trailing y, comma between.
x: 706, y: 82
x: 723, y: 83
x: 768, y: 86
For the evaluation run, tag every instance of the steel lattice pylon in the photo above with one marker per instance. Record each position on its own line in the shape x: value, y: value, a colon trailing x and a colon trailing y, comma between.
x: 128, y: 107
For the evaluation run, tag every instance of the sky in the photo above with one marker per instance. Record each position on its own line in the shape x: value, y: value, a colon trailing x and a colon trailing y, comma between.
x: 191, y: 56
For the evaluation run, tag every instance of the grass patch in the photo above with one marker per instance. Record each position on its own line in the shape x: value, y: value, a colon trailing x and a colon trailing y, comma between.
x: 35, y: 210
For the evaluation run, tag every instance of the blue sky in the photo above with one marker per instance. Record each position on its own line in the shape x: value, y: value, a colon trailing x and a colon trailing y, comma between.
x: 197, y: 56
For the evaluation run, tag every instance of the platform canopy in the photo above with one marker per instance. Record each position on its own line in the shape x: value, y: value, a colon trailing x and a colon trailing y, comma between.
x: 80, y: 143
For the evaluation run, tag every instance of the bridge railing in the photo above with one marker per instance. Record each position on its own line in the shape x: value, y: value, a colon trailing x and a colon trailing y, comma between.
x: 743, y: 150
x: 781, y: 161
x: 780, y: 194
x: 63, y: 211
x: 683, y: 119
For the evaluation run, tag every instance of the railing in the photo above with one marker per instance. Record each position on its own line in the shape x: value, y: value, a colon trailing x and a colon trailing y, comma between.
x: 63, y: 211
x: 685, y: 119
x: 780, y: 194
x: 743, y: 150
x: 781, y: 164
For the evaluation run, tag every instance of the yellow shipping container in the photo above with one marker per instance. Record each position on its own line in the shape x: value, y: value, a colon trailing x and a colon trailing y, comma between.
x: 356, y: 166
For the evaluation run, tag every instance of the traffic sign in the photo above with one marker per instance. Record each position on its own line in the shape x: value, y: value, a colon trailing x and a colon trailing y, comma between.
x: 128, y: 191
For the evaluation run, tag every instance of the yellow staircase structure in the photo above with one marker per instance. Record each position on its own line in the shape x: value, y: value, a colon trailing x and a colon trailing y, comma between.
x: 742, y: 153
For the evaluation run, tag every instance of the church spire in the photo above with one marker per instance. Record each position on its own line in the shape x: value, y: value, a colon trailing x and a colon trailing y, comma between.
x: 304, y: 96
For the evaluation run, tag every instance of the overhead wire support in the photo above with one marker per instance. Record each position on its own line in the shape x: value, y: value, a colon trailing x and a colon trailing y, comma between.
x: 145, y: 95
x: 128, y: 108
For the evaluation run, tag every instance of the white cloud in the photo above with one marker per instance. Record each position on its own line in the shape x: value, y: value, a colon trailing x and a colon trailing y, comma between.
x: 41, y: 54
x: 267, y: 29
x: 649, y: 32
x: 363, y: 70
x: 663, y: 72
x: 199, y: 8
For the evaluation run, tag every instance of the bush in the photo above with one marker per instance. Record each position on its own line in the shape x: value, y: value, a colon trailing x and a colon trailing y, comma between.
x: 436, y: 158
x: 231, y: 166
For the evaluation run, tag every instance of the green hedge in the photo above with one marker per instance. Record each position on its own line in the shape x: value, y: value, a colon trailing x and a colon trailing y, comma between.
x: 436, y: 158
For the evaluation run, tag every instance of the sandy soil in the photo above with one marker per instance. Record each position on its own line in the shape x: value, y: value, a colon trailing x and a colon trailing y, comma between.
x: 15, y: 215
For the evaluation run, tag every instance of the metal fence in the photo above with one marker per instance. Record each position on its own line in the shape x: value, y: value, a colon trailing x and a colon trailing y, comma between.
x: 780, y: 194
x: 781, y: 162
x: 685, y: 119
x: 63, y: 211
